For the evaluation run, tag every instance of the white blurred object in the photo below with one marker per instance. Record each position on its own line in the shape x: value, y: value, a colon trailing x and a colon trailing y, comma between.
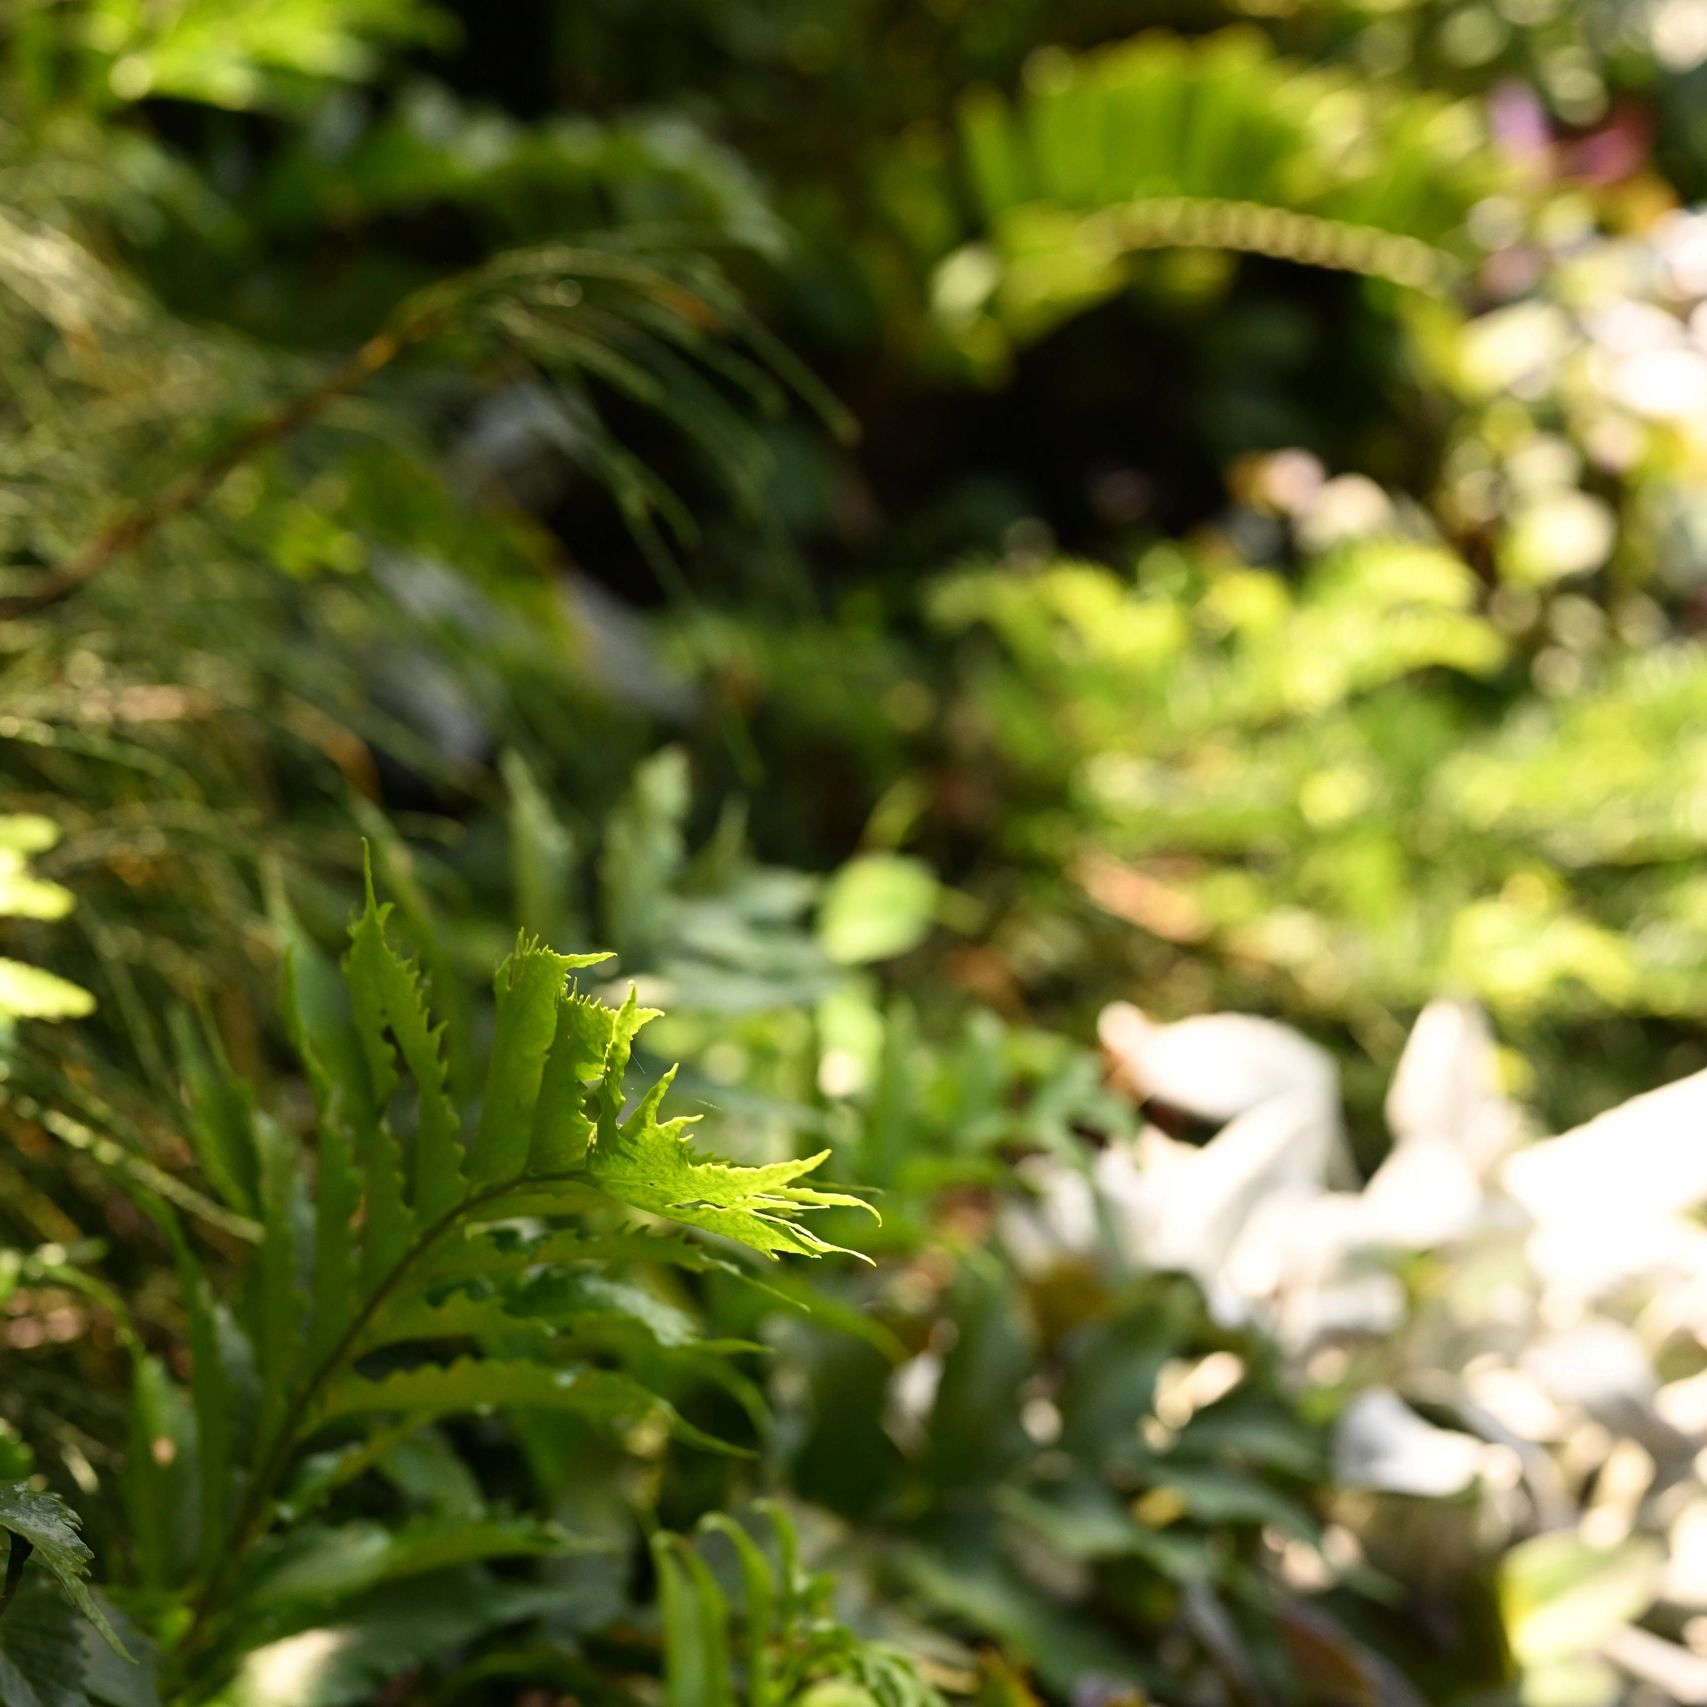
x: 1446, y: 1085
x: 1217, y: 1066
x: 910, y: 1400
x: 1382, y: 1444
x: 1282, y: 1145
x: 1347, y: 507
x: 1586, y: 1254
x: 1663, y: 385
x: 1647, y: 1156
x: 1558, y: 1272
x: 1426, y: 1193
x: 1059, y: 1219
x: 1686, y: 1567
x: 1363, y: 1307
x: 1601, y: 1367
x: 1679, y: 1674
x: 1683, y: 1404
x: 1631, y: 328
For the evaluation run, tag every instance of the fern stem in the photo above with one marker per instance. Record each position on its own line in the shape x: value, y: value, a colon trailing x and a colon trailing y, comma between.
x: 1254, y: 228
x: 253, y: 1517
x: 114, y: 1157
x: 119, y: 538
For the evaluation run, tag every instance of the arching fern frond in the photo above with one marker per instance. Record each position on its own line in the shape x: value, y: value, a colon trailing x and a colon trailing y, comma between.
x: 1218, y: 144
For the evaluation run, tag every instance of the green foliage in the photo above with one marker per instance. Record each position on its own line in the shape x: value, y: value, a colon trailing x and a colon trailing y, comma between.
x: 29, y: 992
x: 45, y: 1660
x: 432, y: 1268
x: 876, y: 908
x: 1299, y: 615
x: 1312, y: 791
x: 1047, y: 1448
x: 786, y: 1647
x: 243, y: 57
x: 1211, y: 145
x: 41, y: 1527
x: 340, y: 477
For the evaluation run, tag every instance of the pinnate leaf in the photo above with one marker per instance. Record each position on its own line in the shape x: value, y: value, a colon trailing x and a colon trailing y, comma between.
x: 44, y: 1528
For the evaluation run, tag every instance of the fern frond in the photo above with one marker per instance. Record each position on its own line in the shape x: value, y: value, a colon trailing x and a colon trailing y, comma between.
x: 532, y: 997
x: 1215, y: 144
x: 323, y: 1564
x: 479, y: 1384
x: 790, y: 1646
x: 386, y: 989
x: 649, y: 1164
x: 43, y: 1527
x: 393, y: 1294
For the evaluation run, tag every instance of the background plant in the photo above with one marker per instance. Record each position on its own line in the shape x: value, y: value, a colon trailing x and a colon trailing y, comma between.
x: 1263, y: 579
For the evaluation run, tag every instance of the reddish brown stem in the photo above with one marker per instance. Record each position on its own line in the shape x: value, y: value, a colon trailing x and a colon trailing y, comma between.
x: 121, y: 537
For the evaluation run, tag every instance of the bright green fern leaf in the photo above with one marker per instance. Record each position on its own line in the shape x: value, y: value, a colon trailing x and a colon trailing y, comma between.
x: 436, y: 1265
x: 650, y: 1164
